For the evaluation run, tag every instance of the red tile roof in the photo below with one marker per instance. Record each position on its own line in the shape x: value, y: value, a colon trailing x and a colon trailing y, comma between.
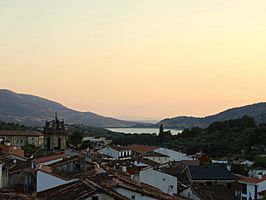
x: 20, y: 133
x: 138, y: 148
x: 49, y: 158
x: 251, y: 180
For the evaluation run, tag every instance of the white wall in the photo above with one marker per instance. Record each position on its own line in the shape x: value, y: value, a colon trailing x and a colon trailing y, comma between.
x: 110, y: 152
x: 159, y: 180
x: 129, y: 194
x: 256, y: 172
x: 188, y: 193
x: 46, y: 181
x: 173, y: 155
x: 251, y: 189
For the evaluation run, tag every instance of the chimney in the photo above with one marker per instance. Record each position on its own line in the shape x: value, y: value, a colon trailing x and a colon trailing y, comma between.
x: 260, y: 175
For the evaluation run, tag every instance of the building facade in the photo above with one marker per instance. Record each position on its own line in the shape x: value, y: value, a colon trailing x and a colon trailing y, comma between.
x: 21, y: 138
x: 55, y: 135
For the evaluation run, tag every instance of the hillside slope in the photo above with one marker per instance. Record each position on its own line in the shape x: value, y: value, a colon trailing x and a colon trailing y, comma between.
x: 257, y: 111
x: 34, y: 111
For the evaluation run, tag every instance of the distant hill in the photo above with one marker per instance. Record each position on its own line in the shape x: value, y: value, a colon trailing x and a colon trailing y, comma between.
x: 34, y: 111
x: 257, y: 111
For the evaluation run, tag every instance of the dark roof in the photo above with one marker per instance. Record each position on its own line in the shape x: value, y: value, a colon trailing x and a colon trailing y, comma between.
x: 215, y: 192
x: 73, y: 190
x: 20, y: 133
x: 12, y: 194
x: 209, y: 172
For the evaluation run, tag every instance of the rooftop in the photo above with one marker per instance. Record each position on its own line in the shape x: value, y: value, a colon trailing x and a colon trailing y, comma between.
x: 20, y: 133
x: 155, y: 154
x: 119, y: 148
x: 251, y: 180
x: 49, y: 158
x: 66, y: 161
x: 209, y: 172
x: 138, y: 148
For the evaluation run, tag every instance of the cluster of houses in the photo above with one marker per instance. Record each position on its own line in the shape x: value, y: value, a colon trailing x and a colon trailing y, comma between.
x: 113, y: 172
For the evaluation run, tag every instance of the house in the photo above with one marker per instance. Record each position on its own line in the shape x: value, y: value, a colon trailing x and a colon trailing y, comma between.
x: 47, y: 160
x: 117, y: 152
x: 20, y: 138
x: 97, y: 143
x: 70, y: 164
x: 53, y: 171
x: 105, y: 184
x: 252, y: 188
x: 173, y: 155
x: 256, y: 172
x: 165, y: 179
x: 43, y: 178
x: 9, y: 149
x: 11, y: 171
x: 139, y: 150
x: 209, y: 175
x: 156, y: 157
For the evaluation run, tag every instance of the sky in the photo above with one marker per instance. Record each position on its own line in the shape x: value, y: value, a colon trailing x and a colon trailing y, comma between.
x: 141, y: 59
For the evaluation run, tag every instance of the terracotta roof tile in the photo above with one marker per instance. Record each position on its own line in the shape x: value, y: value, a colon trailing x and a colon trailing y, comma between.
x: 251, y: 180
x: 49, y: 158
x: 141, y: 148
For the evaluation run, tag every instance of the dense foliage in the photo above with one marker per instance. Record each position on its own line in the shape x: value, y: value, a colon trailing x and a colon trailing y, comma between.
x: 12, y: 126
x: 238, y: 138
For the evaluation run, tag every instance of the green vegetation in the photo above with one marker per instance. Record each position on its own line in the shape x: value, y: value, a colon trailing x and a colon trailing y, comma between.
x: 12, y: 126
x: 75, y: 138
x: 239, y: 169
x: 30, y: 150
x: 238, y: 138
x: 260, y: 162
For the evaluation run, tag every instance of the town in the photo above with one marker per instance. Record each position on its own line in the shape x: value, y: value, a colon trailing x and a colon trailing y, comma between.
x: 104, y: 171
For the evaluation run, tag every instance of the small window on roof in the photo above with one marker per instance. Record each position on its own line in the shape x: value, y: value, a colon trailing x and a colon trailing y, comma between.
x: 95, y: 198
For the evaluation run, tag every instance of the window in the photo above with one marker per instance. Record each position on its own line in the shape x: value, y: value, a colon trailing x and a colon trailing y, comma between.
x: 244, y: 198
x: 229, y: 185
x: 209, y: 183
x: 95, y: 198
x: 163, y: 179
x: 133, y: 197
x: 244, y: 189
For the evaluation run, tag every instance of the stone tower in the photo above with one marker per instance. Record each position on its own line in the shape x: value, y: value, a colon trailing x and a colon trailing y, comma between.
x: 55, y: 134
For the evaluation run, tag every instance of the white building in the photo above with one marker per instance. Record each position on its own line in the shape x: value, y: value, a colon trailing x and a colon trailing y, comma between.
x: 173, y: 155
x: 257, y: 172
x: 252, y: 188
x: 117, y: 152
x: 162, y: 180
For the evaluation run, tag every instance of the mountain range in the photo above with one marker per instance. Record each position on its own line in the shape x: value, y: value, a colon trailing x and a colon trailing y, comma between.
x: 257, y: 111
x: 34, y: 111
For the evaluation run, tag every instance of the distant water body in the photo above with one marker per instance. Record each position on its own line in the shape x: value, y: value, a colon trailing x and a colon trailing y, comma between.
x: 143, y: 130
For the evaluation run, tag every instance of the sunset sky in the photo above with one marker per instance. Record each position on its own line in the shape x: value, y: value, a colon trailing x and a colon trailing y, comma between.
x: 145, y: 59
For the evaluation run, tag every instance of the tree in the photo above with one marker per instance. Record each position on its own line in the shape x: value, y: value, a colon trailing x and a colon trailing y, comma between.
x: 161, y: 129
x: 76, y: 138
